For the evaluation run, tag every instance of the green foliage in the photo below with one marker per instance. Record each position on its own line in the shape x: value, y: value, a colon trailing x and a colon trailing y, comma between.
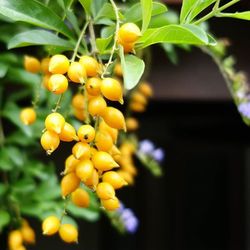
x: 146, y: 7
x: 239, y: 15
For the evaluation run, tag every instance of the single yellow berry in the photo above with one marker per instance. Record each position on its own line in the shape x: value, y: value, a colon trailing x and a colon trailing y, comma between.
x: 93, y: 180
x: 103, y: 161
x: 78, y: 101
x: 103, y: 126
x: 76, y: 72
x: 129, y: 168
x: 114, y: 118
x: 86, y: 133
x: 68, y: 133
x: 84, y: 169
x: 138, y: 98
x: 68, y: 233
x: 114, y: 151
x: 50, y: 141
x: 28, y: 116
x: 32, y: 64
x: 80, y: 197
x: 127, y: 47
x: 81, y: 150
x: 59, y: 64
x: 70, y: 164
x: 126, y: 176
x: 93, y: 86
x: 45, y: 81
x: 118, y: 69
x: 103, y: 141
x: 54, y: 122
x: 111, y: 204
x: 137, y: 107
x: 57, y: 84
x: 131, y: 124
x: 79, y: 114
x: 129, y: 33
x: 69, y: 184
x: 28, y: 235
x: 97, y: 106
x: 20, y: 248
x: 15, y: 239
x: 112, y: 89
x: 105, y: 191
x: 90, y: 64
x: 45, y: 65
x: 145, y: 89
x: 50, y: 225
x: 114, y: 179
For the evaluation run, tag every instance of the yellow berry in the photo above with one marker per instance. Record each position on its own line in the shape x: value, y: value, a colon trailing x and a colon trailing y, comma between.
x: 15, y: 239
x: 80, y: 197
x: 76, y: 72
x: 78, y: 101
x: 105, y: 191
x: 45, y: 81
x: 114, y: 118
x: 68, y: 233
x: 81, y: 150
x: 90, y: 64
x: 118, y: 70
x: 69, y: 184
x: 114, y: 151
x: 50, y: 141
x: 103, y: 126
x: 70, y: 164
x: 93, y: 86
x: 45, y: 65
x: 139, y: 98
x: 28, y: 116
x: 68, y: 133
x: 32, y: 64
x: 112, y: 89
x: 79, y: 114
x: 137, y: 107
x: 145, y: 89
x: 131, y: 124
x: 127, y: 47
x: 86, y: 133
x: 129, y: 168
x: 93, y: 180
x: 28, y: 235
x: 59, y: 64
x: 97, y: 106
x: 111, y: 204
x: 103, y: 141
x: 50, y: 225
x: 57, y: 84
x: 126, y: 176
x: 20, y: 248
x: 129, y: 33
x: 54, y: 122
x: 114, y: 179
x: 103, y: 161
x: 84, y: 169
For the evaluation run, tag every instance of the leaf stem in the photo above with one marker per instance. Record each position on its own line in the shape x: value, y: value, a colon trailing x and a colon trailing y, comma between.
x: 215, y: 11
x: 117, y: 26
x: 58, y: 103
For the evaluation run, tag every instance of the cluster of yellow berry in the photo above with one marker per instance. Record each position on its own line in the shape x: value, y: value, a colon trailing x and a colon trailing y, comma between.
x: 17, y: 238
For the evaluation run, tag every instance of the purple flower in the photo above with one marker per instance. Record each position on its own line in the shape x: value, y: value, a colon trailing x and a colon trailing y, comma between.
x: 146, y: 146
x: 244, y: 109
x: 158, y: 154
x: 131, y: 224
x: 127, y: 214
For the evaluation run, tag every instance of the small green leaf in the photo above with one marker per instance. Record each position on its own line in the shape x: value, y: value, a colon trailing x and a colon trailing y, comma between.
x: 176, y: 34
x: 5, y: 219
x: 239, y: 15
x: 146, y: 6
x: 134, y: 13
x: 38, y: 37
x: 3, y: 69
x: 170, y: 52
x: 10, y: 58
x: 167, y: 18
x: 86, y: 4
x: 132, y: 68
x: 103, y: 43
x: 5, y: 162
x: 35, y: 13
x: 96, y: 6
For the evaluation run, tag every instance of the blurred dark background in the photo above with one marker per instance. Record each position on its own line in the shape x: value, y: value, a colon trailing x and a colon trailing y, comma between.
x: 202, y: 201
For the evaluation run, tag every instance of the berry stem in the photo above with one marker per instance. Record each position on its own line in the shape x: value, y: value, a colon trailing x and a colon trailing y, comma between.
x: 115, y: 38
x: 64, y: 212
x: 215, y: 11
x: 87, y: 120
x: 79, y: 41
x: 58, y: 103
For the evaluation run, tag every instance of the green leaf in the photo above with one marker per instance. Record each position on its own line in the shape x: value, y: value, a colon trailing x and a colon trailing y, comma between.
x: 176, y: 34
x: 134, y: 13
x: 7, y: 31
x: 146, y: 7
x: 170, y: 52
x: 167, y: 18
x: 86, y: 4
x: 16, y: 156
x: 239, y: 15
x: 5, y: 162
x: 38, y: 37
x: 132, y: 68
x: 96, y: 6
x: 107, y: 11
x: 10, y: 58
x: 193, y: 8
x: 35, y: 13
x: 103, y: 43
x: 5, y: 219
x: 84, y: 213
x: 3, y: 69
x: 73, y: 20
x: 24, y: 185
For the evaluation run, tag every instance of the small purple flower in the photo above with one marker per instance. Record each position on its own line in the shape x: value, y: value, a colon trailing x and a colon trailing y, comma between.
x: 126, y: 214
x: 244, y: 109
x: 146, y: 146
x: 158, y: 154
x: 131, y: 224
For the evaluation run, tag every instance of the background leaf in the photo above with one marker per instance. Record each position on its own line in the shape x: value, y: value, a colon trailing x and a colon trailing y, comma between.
x: 86, y: 4
x: 146, y: 6
x: 5, y: 219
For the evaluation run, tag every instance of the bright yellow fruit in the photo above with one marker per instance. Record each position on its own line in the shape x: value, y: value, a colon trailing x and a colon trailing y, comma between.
x: 103, y: 161
x: 145, y: 89
x: 57, y: 84
x: 69, y: 184
x: 97, y: 106
x: 15, y: 239
x: 50, y: 141
x: 93, y: 86
x: 54, y: 122
x: 80, y: 197
x: 129, y: 33
x: 28, y: 235
x: 103, y: 141
x: 28, y: 116
x: 86, y: 133
x: 103, y: 126
x: 50, y: 225
x: 114, y: 179
x: 32, y: 64
x: 111, y: 204
x: 81, y: 150
x: 45, y: 65
x: 68, y: 133
x: 76, y: 72
x: 90, y: 64
x: 78, y: 101
x: 132, y: 124
x: 105, y: 191
x: 59, y: 64
x: 68, y: 233
x: 112, y: 89
x: 84, y: 169
x: 70, y: 164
